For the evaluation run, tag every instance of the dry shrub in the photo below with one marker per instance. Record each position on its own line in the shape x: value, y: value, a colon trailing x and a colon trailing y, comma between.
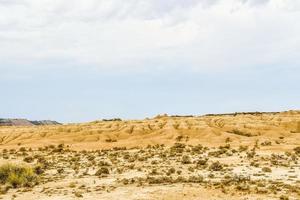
x: 18, y: 176
x: 297, y: 150
x: 102, y: 171
x: 238, y: 132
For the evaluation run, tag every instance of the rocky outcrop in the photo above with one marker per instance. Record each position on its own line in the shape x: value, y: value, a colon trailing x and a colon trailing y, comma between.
x: 25, y: 122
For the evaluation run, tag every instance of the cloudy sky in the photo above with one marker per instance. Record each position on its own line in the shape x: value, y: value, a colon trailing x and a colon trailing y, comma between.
x: 81, y: 60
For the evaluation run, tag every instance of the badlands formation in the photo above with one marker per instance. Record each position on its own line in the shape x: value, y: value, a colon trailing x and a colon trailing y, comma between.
x: 229, y: 156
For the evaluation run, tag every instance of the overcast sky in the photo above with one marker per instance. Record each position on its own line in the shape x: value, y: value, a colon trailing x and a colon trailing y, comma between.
x: 81, y: 60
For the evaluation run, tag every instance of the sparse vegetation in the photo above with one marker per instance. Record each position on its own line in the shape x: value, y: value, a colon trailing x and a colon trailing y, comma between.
x: 102, y: 159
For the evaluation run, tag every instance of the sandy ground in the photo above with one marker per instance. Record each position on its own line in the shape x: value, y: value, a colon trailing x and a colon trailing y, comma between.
x: 243, y: 156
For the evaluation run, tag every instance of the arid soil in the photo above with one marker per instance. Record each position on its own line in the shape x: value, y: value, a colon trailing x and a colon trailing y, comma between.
x: 241, y: 156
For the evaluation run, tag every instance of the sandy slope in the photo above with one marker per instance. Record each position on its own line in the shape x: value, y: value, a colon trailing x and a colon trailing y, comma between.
x: 208, y: 130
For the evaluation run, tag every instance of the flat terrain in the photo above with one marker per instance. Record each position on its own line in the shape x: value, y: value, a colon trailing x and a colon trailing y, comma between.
x: 236, y: 156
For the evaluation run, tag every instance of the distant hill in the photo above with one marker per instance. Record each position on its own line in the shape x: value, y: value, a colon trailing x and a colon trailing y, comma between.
x: 25, y: 122
x: 244, y: 128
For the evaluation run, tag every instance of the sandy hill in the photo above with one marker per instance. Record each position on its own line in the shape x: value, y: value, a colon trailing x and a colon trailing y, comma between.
x: 212, y: 130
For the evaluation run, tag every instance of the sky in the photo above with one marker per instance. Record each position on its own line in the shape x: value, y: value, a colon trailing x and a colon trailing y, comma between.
x: 82, y: 60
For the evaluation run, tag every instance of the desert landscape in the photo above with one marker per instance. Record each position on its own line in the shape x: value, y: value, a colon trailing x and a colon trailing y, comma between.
x: 150, y: 100
x: 225, y: 156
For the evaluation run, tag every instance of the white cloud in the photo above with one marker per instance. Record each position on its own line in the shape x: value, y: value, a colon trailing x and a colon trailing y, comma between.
x: 201, y: 34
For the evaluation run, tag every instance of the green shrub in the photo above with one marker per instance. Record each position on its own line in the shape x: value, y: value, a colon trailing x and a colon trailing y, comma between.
x: 17, y: 175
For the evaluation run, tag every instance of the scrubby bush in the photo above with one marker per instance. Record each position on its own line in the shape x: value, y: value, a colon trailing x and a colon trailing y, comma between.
x: 28, y: 159
x: 195, y: 179
x: 202, y: 161
x: 159, y: 180
x: 283, y: 197
x: 266, y: 169
x: 180, y: 137
x: 243, y: 148
x: 186, y: 159
x: 197, y: 149
x: 297, y: 150
x: 238, y: 132
x: 216, y: 166
x: 112, y: 120
x: 266, y: 143
x: 171, y: 171
x: 22, y: 149
x: 110, y: 140
x: 178, y: 148
x: 102, y: 171
x: 18, y: 176
x: 217, y: 153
